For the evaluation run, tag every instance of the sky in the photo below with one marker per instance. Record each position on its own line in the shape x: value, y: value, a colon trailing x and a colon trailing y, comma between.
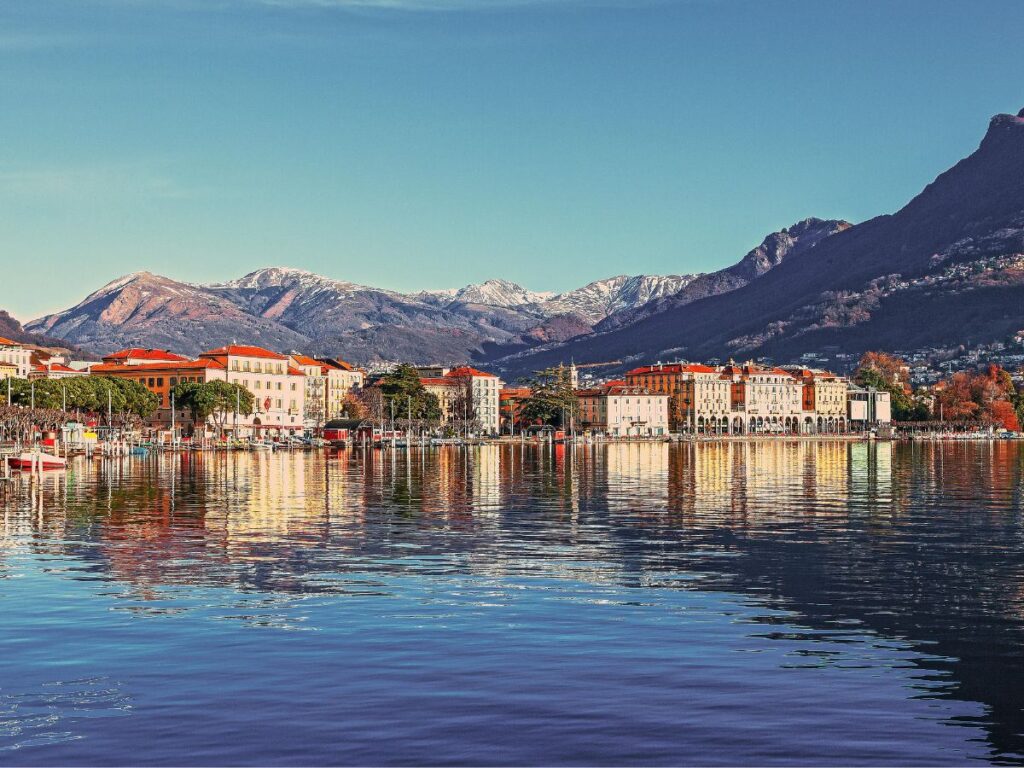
x: 413, y: 144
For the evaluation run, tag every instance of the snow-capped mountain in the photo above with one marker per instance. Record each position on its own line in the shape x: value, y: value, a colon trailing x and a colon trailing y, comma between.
x: 285, y: 307
x: 602, y: 298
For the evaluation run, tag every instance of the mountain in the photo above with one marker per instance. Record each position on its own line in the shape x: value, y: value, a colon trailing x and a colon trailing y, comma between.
x: 13, y: 330
x: 777, y: 246
x: 284, y: 308
x: 947, y: 269
x: 147, y: 310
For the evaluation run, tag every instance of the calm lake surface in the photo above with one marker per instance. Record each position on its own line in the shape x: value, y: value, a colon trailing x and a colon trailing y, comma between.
x: 761, y: 602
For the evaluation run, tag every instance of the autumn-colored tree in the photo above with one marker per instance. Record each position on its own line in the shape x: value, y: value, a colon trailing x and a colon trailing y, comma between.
x: 987, y: 396
x: 889, y: 373
x: 355, y: 408
x: 1004, y: 415
x: 893, y: 370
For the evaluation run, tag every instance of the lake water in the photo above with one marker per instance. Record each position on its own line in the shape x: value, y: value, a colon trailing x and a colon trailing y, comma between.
x: 760, y: 602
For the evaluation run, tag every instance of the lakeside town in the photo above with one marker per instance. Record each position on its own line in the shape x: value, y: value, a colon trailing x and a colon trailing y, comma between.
x: 249, y: 396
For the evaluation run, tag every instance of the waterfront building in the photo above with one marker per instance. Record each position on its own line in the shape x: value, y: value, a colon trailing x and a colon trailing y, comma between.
x: 699, y: 397
x: 161, y: 378
x: 278, y: 387
x: 823, y: 401
x: 465, y: 388
x: 446, y: 391
x: 763, y: 400
x: 620, y: 410
x: 511, y: 401
x: 342, y: 379
x: 482, y: 389
x: 868, y: 407
x: 18, y: 355
x: 314, y: 409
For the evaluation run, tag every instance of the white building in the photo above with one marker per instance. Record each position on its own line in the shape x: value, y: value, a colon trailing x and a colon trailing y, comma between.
x: 764, y: 400
x: 868, y: 407
x: 18, y: 355
x: 619, y: 410
x: 278, y: 388
x: 314, y: 409
x: 484, y: 389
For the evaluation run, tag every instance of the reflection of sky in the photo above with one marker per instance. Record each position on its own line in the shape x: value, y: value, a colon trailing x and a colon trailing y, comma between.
x: 721, y: 602
x: 459, y: 663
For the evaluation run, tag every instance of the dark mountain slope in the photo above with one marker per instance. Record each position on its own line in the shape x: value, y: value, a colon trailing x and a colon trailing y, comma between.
x: 955, y: 254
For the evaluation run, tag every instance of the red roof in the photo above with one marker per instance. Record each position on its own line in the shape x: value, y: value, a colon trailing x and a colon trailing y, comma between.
x: 340, y: 364
x: 129, y: 370
x: 58, y: 367
x: 307, y: 360
x: 465, y: 370
x: 144, y: 354
x: 292, y: 371
x: 242, y: 350
x: 515, y: 392
x: 672, y: 368
x: 436, y: 382
x: 9, y: 343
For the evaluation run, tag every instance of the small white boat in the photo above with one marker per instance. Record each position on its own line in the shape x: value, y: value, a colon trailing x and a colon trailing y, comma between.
x: 29, y: 461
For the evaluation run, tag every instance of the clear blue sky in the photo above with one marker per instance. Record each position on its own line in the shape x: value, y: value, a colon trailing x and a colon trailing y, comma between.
x: 431, y: 143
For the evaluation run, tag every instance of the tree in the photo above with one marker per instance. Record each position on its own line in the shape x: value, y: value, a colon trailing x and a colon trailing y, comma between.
x: 463, y: 411
x: 552, y: 399
x: 354, y: 407
x: 127, y: 401
x: 402, y: 392
x: 987, y: 396
x: 890, y: 374
x: 214, y: 400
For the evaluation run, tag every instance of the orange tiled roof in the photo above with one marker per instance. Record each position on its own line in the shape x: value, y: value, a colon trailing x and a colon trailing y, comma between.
x: 465, y: 370
x: 307, y: 360
x: 515, y: 392
x: 144, y: 354
x: 293, y: 371
x: 672, y: 368
x: 170, y: 365
x: 243, y: 350
x: 436, y: 382
x: 8, y: 343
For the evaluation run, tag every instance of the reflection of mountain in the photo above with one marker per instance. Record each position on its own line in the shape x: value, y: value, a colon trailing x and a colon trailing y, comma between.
x: 914, y: 544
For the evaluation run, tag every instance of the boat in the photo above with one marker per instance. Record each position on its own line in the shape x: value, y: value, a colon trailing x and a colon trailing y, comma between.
x: 29, y: 461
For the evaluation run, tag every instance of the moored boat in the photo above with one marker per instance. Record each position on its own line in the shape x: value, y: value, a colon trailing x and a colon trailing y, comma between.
x: 29, y: 461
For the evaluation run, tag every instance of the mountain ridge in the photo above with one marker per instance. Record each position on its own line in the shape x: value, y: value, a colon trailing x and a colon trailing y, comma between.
x: 946, y: 269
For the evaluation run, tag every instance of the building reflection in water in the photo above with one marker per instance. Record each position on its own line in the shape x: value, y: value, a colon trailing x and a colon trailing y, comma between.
x: 919, y: 542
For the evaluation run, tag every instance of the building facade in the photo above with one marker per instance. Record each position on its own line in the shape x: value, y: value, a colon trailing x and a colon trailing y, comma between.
x: 161, y: 378
x: 868, y: 407
x: 342, y: 380
x: 619, y: 410
x: 278, y: 388
x: 17, y: 355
